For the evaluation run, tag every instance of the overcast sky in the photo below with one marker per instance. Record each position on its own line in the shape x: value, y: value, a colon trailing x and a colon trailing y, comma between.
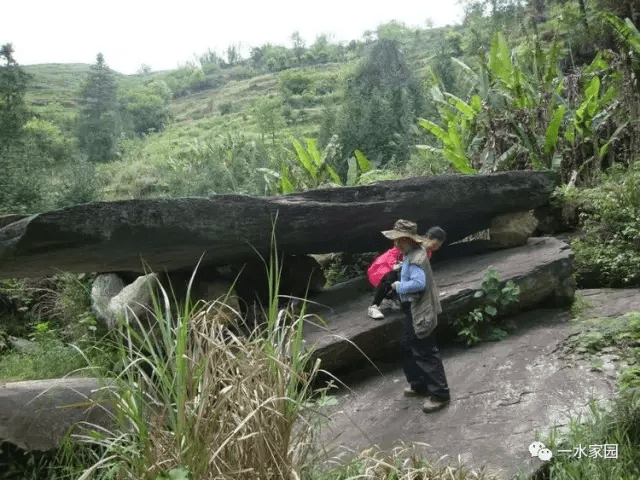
x: 165, y: 35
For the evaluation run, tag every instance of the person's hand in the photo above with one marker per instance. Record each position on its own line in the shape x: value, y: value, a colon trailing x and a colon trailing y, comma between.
x: 394, y: 285
x: 397, y: 267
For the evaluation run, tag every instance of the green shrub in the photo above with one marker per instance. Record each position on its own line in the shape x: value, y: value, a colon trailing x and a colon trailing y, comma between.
x: 610, y: 219
x: 295, y: 82
x: 181, y: 79
x: 79, y: 184
x: 476, y: 326
x: 225, y: 108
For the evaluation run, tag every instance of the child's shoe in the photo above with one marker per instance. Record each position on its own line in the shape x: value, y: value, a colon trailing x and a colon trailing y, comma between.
x: 374, y: 312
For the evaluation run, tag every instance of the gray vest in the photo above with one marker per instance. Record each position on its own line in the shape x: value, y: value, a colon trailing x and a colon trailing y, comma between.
x: 425, y: 305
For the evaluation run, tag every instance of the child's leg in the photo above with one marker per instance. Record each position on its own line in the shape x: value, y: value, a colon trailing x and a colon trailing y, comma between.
x: 384, y: 288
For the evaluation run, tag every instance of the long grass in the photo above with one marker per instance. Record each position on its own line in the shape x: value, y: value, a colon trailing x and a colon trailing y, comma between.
x: 580, y: 453
x: 194, y: 396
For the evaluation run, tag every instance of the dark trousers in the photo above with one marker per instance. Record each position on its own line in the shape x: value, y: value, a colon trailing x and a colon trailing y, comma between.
x: 384, y: 290
x: 421, y: 360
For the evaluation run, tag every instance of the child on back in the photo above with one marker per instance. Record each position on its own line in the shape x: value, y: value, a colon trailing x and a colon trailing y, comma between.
x: 385, y: 269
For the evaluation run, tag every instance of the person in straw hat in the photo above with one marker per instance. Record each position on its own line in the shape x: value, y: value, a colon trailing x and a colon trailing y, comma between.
x: 418, y: 293
x: 385, y: 269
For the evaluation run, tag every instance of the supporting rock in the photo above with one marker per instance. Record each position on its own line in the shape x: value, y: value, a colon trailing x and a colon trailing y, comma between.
x: 512, y: 229
x: 542, y: 269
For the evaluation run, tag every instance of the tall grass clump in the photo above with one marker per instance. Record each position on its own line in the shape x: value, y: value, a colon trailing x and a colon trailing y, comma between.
x: 617, y: 427
x: 194, y: 398
x: 403, y: 462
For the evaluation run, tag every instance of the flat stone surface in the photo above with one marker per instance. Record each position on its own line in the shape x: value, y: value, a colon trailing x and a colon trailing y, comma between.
x: 345, y: 334
x: 610, y: 302
x: 37, y: 414
x: 502, y: 394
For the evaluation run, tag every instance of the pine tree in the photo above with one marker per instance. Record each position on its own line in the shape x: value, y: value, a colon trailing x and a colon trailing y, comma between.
x: 382, y: 102
x: 13, y: 85
x: 21, y: 179
x: 97, y: 136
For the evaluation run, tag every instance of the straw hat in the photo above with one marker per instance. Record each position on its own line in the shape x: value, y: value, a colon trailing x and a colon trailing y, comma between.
x: 404, y: 228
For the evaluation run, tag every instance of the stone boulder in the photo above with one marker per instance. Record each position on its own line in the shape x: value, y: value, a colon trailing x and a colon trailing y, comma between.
x: 346, y: 336
x: 512, y: 229
x: 134, y: 301
x: 172, y: 234
x: 104, y: 288
x: 36, y: 415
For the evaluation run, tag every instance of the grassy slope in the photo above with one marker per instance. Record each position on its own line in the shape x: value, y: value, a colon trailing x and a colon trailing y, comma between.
x: 55, y: 90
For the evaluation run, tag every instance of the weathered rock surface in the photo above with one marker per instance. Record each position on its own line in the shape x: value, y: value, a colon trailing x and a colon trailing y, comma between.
x: 36, y: 415
x: 542, y: 269
x: 512, y: 229
x: 610, y: 302
x: 134, y: 301
x: 104, y: 288
x: 502, y: 393
x: 174, y: 233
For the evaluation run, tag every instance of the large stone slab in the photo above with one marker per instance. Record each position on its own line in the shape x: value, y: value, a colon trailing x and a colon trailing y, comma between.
x: 346, y: 336
x: 37, y: 414
x: 175, y: 233
x: 502, y: 395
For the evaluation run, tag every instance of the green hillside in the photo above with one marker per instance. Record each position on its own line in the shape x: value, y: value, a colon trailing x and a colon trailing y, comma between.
x: 492, y: 93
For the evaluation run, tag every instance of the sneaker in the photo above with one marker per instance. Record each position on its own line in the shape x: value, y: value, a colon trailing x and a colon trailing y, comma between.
x: 434, y: 404
x: 374, y: 312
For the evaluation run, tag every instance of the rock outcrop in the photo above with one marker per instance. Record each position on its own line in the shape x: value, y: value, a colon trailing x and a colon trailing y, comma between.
x: 36, y: 415
x: 172, y: 234
x: 239, y: 286
x: 542, y: 269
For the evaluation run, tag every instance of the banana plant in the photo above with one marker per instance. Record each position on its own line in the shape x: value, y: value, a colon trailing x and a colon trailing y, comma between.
x: 514, y: 82
x: 459, y: 117
x: 358, y: 164
x: 627, y: 30
x: 315, y: 164
x: 277, y: 183
x: 315, y: 169
x: 590, y: 114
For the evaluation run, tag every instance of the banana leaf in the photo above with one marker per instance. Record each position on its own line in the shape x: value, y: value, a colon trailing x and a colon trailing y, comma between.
x: 303, y: 159
x: 551, y: 135
x: 434, y: 129
x: 312, y: 148
x: 352, y: 172
x: 285, y: 183
x: 363, y: 163
x: 616, y: 134
x: 461, y: 106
